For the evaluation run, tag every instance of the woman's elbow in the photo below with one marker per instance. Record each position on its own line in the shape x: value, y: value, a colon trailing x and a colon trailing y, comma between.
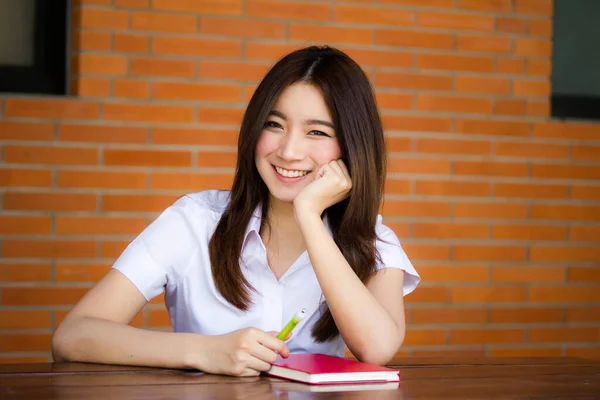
x: 383, y: 352
x: 61, y: 343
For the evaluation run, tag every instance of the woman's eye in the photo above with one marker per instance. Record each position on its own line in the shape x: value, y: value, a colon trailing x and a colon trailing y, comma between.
x: 318, y: 133
x: 272, y: 124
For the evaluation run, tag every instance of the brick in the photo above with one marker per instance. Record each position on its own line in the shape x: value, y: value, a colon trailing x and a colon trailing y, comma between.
x: 288, y: 10
x: 454, y: 273
x: 482, y: 85
x: 580, y: 152
x: 416, y: 209
x: 456, y: 21
x: 25, y: 272
x: 565, y: 212
x: 509, y: 107
x: 162, y: 22
x: 557, y: 171
x: 80, y: 272
x: 584, y: 233
x: 538, y: 108
x: 452, y: 188
x: 529, y: 47
x: 448, y: 316
x: 420, y: 252
x: 394, y: 101
x: 511, y: 25
x: 233, y: 70
x: 475, y: 353
x: 25, y: 225
x: 449, y: 146
x: 162, y: 67
x: 398, y: 144
x: 522, y: 315
x: 132, y: 3
x: 100, y: 64
x: 513, y: 66
x: 527, y: 352
x: 585, y: 192
x: 418, y: 3
x: 584, y: 274
x: 42, y: 296
x: 489, y: 253
x: 498, y: 6
x: 50, y: 155
x: 50, y: 108
x: 562, y: 130
x: 80, y: 3
x: 395, y: 186
x: 413, y: 81
x: 74, y: 225
x: 484, y: 44
x: 213, y: 159
x: 24, y: 360
x: 531, y: 150
x: 563, y: 334
x: 48, y: 248
x: 50, y: 201
x: 438, y: 230
x: 91, y: 87
x: 195, y: 91
x: 490, y: 294
x: 563, y: 294
x: 26, y: 131
x: 428, y: 295
x: 101, y: 18
x: 564, y: 253
x: 102, y: 179
x: 112, y: 249
x: 381, y: 58
x: 374, y: 15
x: 418, y: 166
x: 331, y: 34
x: 25, y: 178
x: 136, y: 203
x: 428, y: 40
x: 268, y: 51
x: 486, y: 336
x: 128, y: 43
x: 584, y: 352
x: 207, y: 137
x: 130, y: 88
x: 451, y: 62
x: 190, y: 181
x: 26, y: 342
x: 211, y: 115
x: 528, y: 274
x: 531, y: 88
x: 244, y: 28
x: 528, y: 190
x: 489, y: 168
x: 221, y: 7
x: 149, y: 158
x: 541, y: 68
x: 539, y: 27
x: 147, y: 113
x: 196, y: 47
x: 91, y: 40
x: 102, y: 134
x: 455, y: 104
x: 487, y: 127
x: 425, y: 337
x: 402, y: 230
x: 534, y: 7
x: 24, y: 319
x: 490, y: 210
x: 583, y: 314
x: 159, y: 318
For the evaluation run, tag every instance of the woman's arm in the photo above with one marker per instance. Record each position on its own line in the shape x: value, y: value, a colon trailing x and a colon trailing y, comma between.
x: 370, y: 318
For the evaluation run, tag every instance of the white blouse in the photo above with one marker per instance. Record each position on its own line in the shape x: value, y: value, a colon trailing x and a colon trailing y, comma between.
x: 172, y: 254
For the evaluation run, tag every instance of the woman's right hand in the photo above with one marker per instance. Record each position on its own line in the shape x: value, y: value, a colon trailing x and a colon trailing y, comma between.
x: 244, y: 352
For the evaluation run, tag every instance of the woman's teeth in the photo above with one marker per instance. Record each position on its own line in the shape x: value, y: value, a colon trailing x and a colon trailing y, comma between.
x: 290, y: 174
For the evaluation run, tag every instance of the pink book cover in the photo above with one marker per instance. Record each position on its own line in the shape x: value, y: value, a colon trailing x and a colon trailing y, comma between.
x: 326, y: 369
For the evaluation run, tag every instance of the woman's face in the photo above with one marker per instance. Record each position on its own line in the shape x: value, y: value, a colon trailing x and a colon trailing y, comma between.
x: 298, y: 138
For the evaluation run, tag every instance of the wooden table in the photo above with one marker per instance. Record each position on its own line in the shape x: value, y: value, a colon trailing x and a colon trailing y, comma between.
x: 421, y: 378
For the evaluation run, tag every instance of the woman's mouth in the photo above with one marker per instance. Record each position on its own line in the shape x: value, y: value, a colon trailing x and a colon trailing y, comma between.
x: 290, y: 173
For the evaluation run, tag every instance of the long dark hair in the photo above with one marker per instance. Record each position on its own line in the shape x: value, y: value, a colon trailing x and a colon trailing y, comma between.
x: 351, y: 102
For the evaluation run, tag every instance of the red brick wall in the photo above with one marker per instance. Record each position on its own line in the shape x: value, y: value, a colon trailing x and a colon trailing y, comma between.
x: 497, y: 205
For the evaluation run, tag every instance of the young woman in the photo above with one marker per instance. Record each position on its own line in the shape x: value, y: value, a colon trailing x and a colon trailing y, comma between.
x: 300, y: 229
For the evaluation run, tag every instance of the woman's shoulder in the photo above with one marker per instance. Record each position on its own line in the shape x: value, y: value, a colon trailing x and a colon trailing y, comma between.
x: 211, y: 201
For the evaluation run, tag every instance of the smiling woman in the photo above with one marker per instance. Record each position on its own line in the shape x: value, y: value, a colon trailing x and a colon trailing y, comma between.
x: 299, y: 229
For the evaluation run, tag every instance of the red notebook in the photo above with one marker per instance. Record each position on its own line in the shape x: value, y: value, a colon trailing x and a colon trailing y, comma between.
x: 318, y: 369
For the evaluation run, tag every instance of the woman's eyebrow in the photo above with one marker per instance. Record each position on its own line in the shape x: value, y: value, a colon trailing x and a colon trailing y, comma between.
x: 281, y: 115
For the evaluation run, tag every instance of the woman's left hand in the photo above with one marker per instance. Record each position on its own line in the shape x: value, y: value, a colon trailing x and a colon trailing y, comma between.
x: 332, y: 184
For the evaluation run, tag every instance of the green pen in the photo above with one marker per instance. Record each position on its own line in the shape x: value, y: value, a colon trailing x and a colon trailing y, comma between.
x: 299, y: 316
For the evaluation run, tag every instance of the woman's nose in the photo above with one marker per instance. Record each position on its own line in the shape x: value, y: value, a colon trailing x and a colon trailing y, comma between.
x: 290, y: 147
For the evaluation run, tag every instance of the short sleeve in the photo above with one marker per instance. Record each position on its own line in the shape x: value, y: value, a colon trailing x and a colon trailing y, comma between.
x: 157, y: 258
x: 393, y: 256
